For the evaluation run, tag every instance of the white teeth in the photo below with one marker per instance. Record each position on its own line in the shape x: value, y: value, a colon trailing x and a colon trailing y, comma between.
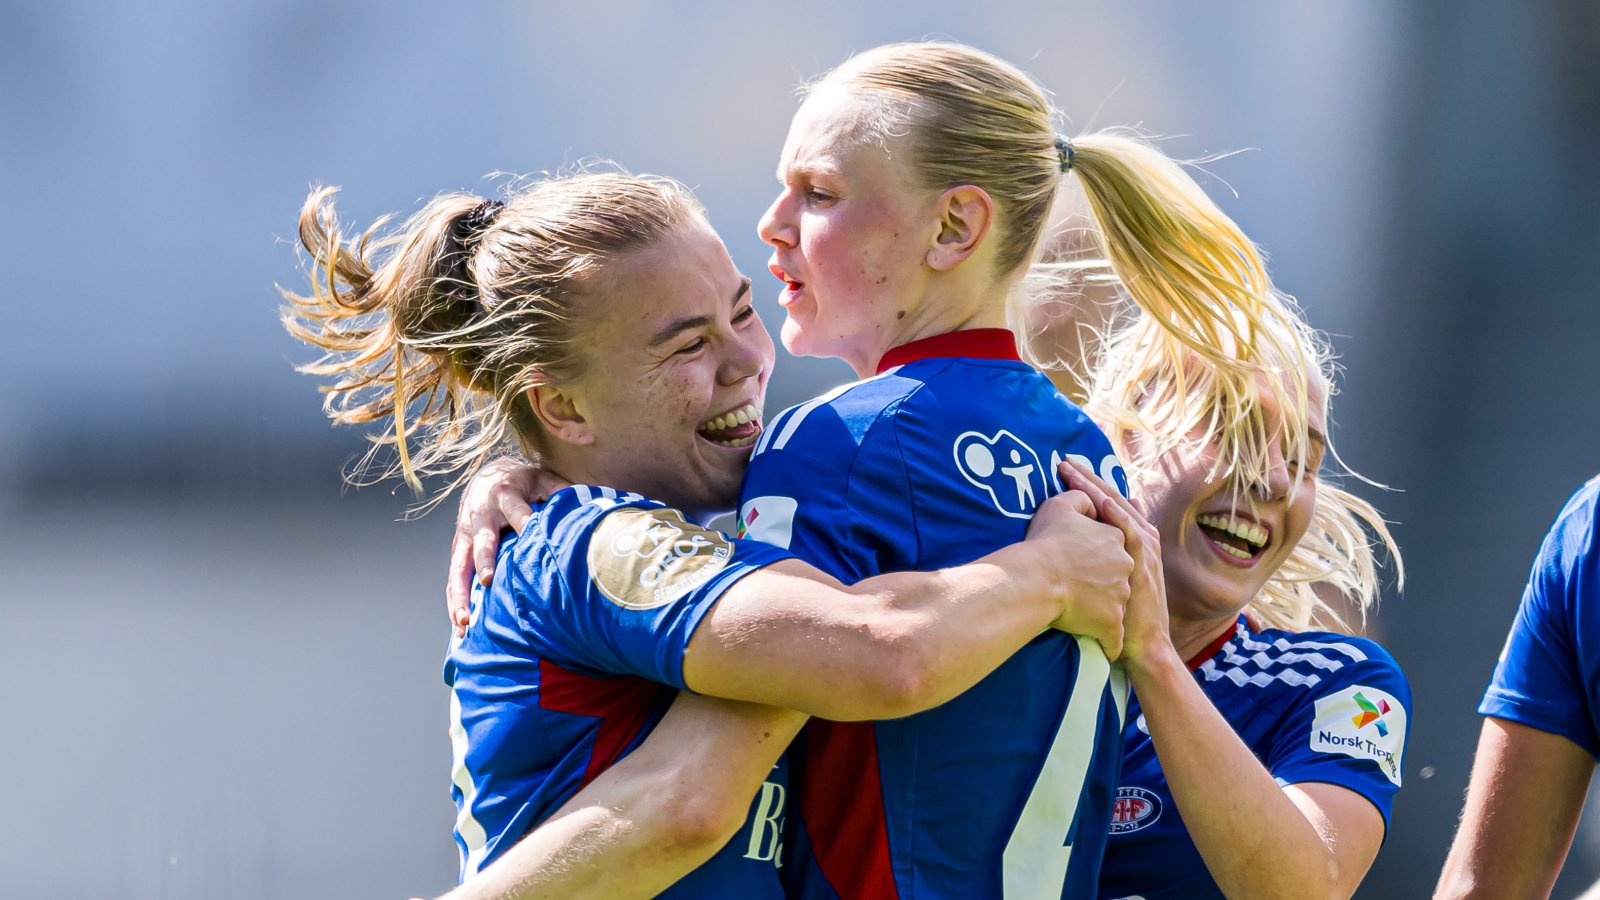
x: 744, y: 415
x: 1233, y: 551
x: 1245, y: 531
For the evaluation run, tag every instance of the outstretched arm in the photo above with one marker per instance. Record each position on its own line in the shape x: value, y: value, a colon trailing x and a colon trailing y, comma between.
x: 1527, y: 789
x: 657, y: 814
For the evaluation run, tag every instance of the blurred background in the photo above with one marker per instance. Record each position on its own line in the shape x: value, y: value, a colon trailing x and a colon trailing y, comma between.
x: 223, y: 667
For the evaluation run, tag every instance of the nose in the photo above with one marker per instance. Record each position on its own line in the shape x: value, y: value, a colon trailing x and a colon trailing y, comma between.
x: 777, y: 225
x: 1277, y: 479
x: 748, y: 355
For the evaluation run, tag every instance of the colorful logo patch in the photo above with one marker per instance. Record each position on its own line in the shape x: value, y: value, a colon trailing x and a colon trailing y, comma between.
x: 767, y: 519
x: 1134, y: 808
x: 1370, y: 713
x: 1340, y: 725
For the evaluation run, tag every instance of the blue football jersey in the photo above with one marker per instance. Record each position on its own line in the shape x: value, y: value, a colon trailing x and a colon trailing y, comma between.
x: 1548, y: 676
x: 1312, y: 706
x: 1005, y: 791
x: 573, y: 655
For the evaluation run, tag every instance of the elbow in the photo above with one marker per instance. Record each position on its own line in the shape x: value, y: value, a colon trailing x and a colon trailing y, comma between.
x: 897, y: 680
x: 699, y: 822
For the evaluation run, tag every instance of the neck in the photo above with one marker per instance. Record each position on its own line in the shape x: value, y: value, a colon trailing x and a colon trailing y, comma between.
x: 1190, y: 636
x: 935, y: 315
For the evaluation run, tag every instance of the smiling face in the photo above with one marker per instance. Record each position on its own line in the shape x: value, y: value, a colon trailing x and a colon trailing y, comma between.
x: 675, y: 365
x: 850, y: 230
x: 1220, y: 540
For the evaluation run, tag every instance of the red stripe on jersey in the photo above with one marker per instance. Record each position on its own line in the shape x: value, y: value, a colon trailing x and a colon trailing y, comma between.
x: 841, y: 802
x: 1211, y: 649
x: 974, y: 343
x: 623, y: 706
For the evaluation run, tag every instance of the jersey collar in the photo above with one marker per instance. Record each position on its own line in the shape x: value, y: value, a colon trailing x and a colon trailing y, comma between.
x: 976, y: 343
x: 1211, y: 649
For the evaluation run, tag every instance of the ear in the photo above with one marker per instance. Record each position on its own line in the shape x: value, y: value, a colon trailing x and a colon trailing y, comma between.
x: 966, y: 213
x: 559, y: 413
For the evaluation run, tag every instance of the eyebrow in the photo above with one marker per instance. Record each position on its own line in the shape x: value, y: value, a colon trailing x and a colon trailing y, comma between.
x: 678, y: 326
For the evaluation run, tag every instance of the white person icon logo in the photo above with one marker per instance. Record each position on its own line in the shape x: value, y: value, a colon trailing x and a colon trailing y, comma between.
x: 1004, y: 467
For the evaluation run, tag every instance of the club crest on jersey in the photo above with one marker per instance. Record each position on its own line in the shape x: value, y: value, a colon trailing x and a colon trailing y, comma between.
x: 1134, y: 808
x: 767, y: 519
x: 644, y: 558
x: 1362, y: 722
x: 1005, y: 468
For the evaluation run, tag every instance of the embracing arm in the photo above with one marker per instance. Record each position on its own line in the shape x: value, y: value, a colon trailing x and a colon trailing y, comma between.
x: 791, y: 636
x: 1527, y: 789
x: 657, y: 814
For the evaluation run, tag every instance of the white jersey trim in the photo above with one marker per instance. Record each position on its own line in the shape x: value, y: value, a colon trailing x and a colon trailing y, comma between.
x: 792, y: 419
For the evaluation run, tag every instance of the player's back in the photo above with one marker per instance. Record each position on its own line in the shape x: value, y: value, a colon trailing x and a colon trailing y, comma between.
x: 1005, y: 790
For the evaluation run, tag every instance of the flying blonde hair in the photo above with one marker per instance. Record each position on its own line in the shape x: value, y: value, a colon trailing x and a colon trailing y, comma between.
x: 1148, y: 407
x: 442, y: 324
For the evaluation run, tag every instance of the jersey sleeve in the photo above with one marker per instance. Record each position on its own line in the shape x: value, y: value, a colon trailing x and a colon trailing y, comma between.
x: 1540, y: 680
x: 622, y: 586
x: 830, y: 486
x: 1351, y: 728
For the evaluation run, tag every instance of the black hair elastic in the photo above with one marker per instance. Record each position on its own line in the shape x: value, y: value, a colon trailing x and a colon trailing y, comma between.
x: 1064, y: 151
x: 482, y: 216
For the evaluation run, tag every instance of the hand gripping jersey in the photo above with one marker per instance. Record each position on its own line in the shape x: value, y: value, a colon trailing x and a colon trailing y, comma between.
x: 1004, y: 791
x: 1312, y: 706
x: 572, y: 657
x: 1549, y: 672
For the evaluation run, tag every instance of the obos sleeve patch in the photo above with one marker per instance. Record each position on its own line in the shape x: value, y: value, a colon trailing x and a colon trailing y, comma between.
x: 1364, y: 723
x: 645, y: 558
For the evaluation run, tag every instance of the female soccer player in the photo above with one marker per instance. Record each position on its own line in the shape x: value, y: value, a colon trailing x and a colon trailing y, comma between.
x: 480, y: 322
x: 915, y: 184
x: 1259, y: 761
x: 1536, y: 752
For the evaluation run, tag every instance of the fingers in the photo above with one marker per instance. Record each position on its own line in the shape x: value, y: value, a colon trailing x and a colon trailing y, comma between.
x: 485, y: 546
x: 518, y: 512
x: 1111, y: 644
x: 458, y: 583
x: 1081, y: 479
x: 1077, y: 501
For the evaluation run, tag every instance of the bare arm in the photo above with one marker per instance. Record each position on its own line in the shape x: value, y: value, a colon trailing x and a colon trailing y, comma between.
x: 791, y: 636
x: 1257, y: 839
x: 1522, y: 808
x: 653, y: 817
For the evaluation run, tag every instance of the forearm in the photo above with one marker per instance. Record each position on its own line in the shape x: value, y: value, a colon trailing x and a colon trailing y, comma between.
x: 1254, y: 839
x: 656, y: 815
x: 1523, y: 801
x: 887, y: 647
x: 569, y: 856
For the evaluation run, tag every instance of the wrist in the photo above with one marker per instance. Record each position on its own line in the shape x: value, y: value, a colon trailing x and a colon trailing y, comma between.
x: 1154, y: 663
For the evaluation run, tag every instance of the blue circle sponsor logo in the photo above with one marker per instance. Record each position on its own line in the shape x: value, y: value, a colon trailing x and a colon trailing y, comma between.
x: 1134, y: 808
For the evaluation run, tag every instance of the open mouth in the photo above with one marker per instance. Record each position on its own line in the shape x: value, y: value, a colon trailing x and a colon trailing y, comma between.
x: 735, y: 428
x: 1238, y: 538
x: 791, y: 286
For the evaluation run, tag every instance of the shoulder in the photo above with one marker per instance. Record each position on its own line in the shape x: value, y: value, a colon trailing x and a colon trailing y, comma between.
x: 1573, y: 536
x: 1308, y: 664
x: 839, y: 419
